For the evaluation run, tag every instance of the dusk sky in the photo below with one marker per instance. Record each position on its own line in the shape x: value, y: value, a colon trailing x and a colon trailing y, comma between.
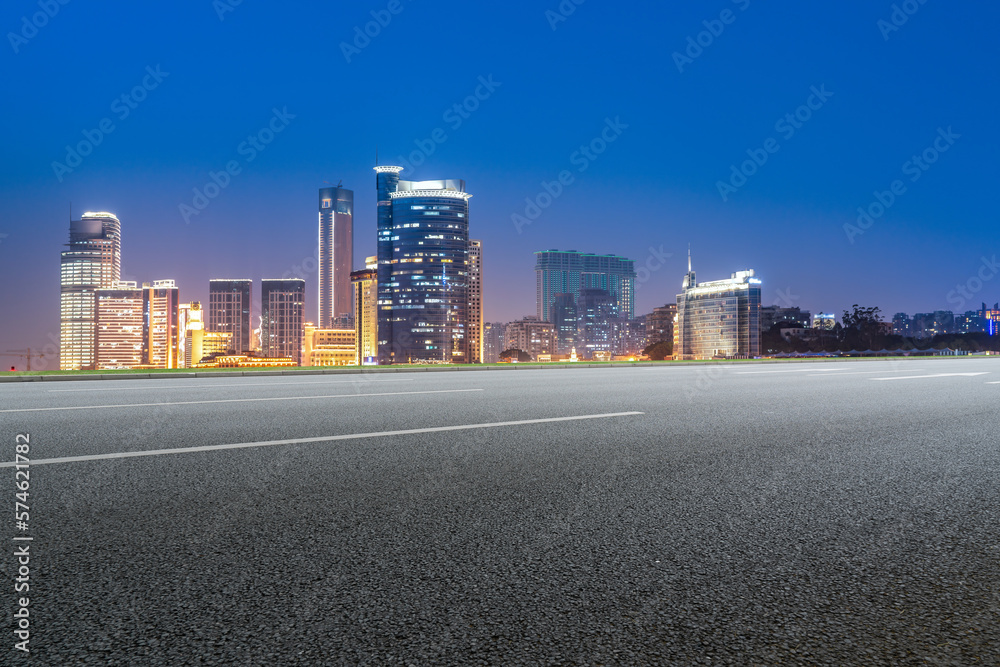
x: 214, y: 74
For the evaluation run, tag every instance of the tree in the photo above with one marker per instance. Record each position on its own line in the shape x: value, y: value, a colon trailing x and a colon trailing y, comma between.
x: 659, y: 351
x: 861, y: 326
x: 514, y: 353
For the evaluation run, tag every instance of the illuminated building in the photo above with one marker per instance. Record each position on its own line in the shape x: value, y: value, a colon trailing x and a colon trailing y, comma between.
x: 120, y: 326
x: 423, y: 245
x: 92, y: 262
x: 660, y: 324
x: 629, y: 336
x: 161, y: 339
x: 565, y: 323
x: 282, y: 306
x: 718, y: 319
x: 199, y: 343
x: 366, y: 312
x: 568, y: 272
x: 336, y: 255
x: 475, y: 328
x: 595, y: 312
x: 246, y: 361
x: 827, y: 321
x: 494, y: 337
x: 229, y: 311
x: 529, y: 335
x: 328, y: 347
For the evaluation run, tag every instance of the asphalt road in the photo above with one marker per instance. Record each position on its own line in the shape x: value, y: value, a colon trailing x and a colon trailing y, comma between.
x: 834, y: 513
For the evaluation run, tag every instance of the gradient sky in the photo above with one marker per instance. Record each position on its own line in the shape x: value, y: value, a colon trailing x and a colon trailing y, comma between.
x: 654, y: 187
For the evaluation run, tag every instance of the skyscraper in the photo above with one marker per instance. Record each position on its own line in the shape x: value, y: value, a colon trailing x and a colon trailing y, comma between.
x: 161, y: 340
x: 366, y: 312
x: 336, y: 254
x: 282, y: 309
x: 475, y: 328
x: 494, y: 339
x: 568, y: 272
x: 529, y: 335
x: 92, y: 262
x: 120, y: 326
x: 596, y: 312
x: 719, y: 318
x: 565, y: 323
x: 423, y: 246
x: 229, y: 310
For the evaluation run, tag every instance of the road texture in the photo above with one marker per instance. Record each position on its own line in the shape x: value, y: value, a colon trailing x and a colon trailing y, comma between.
x: 841, y: 513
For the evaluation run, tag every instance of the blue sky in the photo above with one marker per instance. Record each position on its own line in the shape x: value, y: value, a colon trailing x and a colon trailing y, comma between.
x: 555, y: 80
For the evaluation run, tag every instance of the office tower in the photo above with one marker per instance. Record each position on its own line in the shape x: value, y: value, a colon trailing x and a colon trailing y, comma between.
x: 771, y: 315
x: 565, y: 323
x: 328, y: 347
x: 282, y: 309
x: 628, y: 336
x: 475, y: 328
x: 596, y: 309
x: 336, y: 255
x: 92, y: 262
x: 718, y: 319
x: 120, y: 326
x: 161, y: 311
x: 660, y: 324
x: 199, y: 343
x: 229, y: 310
x: 558, y: 272
x: 529, y: 335
x: 366, y: 312
x: 423, y: 246
x: 494, y: 337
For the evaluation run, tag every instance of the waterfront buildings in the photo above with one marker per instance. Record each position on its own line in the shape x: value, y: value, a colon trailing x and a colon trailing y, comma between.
x: 120, y: 326
x: 366, y: 312
x: 229, y: 311
x: 336, y: 255
x: 568, y: 272
x: 282, y: 305
x: 91, y: 262
x: 475, y: 307
x: 719, y: 318
x: 423, y: 245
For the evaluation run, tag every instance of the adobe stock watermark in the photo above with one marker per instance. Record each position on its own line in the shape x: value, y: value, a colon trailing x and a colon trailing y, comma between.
x: 900, y: 14
x: 249, y: 149
x: 581, y: 158
x: 122, y: 107
x: 787, y: 126
x: 561, y: 13
x: 966, y: 291
x: 31, y: 25
x: 381, y: 19
x: 223, y: 7
x: 455, y: 116
x: 713, y: 30
x: 654, y: 262
x: 914, y: 168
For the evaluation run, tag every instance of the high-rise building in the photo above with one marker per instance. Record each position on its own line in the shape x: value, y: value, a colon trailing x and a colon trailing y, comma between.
x: 92, y: 262
x: 120, y: 326
x: 328, y: 347
x: 229, y: 311
x: 494, y: 337
x: 199, y: 343
x: 336, y: 255
x: 423, y: 247
x: 475, y: 328
x: 529, y: 335
x: 719, y: 318
x: 629, y: 336
x: 161, y: 341
x: 596, y: 310
x: 568, y: 272
x: 991, y: 318
x: 282, y: 308
x: 565, y: 323
x: 660, y: 324
x: 366, y: 312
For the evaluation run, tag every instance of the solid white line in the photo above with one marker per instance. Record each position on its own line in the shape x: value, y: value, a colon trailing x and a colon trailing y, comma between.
x: 797, y: 370
x: 251, y: 384
x: 936, y: 375
x: 326, y: 438
x: 241, y: 400
x: 993, y: 383
x: 908, y: 370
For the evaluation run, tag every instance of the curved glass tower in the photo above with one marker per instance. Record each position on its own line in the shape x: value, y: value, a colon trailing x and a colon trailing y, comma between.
x: 423, y: 274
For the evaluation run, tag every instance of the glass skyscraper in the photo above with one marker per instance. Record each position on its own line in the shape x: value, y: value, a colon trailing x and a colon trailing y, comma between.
x: 229, y: 311
x: 568, y: 272
x: 282, y: 324
x: 336, y: 255
x: 92, y: 262
x: 563, y: 316
x: 718, y: 319
x: 423, y: 273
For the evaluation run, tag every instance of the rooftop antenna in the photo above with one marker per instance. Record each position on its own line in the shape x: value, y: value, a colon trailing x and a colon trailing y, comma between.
x: 689, y: 258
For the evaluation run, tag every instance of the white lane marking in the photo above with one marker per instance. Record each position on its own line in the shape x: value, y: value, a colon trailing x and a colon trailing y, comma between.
x: 993, y: 383
x: 251, y: 384
x: 936, y: 375
x: 797, y: 370
x: 325, y: 438
x: 908, y: 370
x: 242, y: 400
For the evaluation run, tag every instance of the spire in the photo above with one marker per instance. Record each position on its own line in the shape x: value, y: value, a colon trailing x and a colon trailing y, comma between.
x: 689, y: 258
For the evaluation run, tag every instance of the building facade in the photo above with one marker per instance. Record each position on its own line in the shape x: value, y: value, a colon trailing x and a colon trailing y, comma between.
x: 529, y: 335
x: 660, y: 324
x: 120, y: 326
x: 494, y: 337
x: 91, y: 262
x: 565, y: 324
x: 161, y: 312
x: 229, y: 303
x: 328, y: 347
x: 423, y: 290
x: 475, y: 307
x: 718, y: 319
x: 568, y: 272
x: 596, y: 311
x: 336, y: 255
x: 771, y: 315
x: 366, y: 312
x: 282, y: 305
